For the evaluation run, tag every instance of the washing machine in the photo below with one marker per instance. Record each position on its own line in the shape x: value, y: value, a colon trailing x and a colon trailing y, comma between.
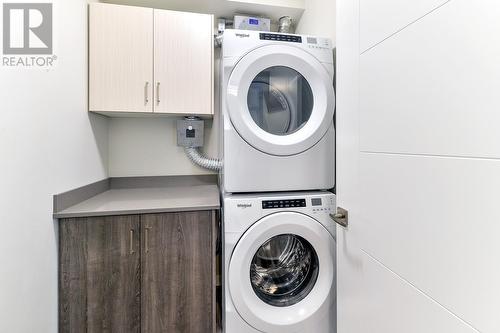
x: 278, y: 104
x: 279, y: 263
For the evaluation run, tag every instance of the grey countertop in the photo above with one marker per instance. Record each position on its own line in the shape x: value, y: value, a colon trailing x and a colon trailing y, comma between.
x: 147, y: 199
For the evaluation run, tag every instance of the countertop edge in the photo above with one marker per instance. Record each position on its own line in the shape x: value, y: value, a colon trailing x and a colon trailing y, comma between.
x: 63, y: 215
x: 71, y: 204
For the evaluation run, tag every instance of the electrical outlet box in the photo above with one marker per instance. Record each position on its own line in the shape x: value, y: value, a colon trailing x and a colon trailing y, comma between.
x: 190, y: 132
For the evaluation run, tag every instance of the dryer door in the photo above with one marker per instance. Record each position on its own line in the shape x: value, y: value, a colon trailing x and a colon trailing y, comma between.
x: 281, y: 273
x: 280, y: 99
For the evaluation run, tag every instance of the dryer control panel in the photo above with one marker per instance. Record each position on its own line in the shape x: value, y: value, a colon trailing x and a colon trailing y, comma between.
x: 309, y: 41
x: 281, y: 38
x: 239, y: 43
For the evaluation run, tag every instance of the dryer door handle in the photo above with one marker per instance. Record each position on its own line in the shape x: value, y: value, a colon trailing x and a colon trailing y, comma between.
x: 341, y: 217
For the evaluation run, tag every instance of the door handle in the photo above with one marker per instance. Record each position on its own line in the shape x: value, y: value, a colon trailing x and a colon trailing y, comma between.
x: 341, y: 217
x: 158, y: 93
x: 146, y: 93
x: 146, y: 239
x: 132, y: 241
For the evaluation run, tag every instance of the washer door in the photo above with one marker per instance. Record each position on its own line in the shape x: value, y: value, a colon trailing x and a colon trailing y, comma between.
x: 280, y: 99
x: 281, y: 273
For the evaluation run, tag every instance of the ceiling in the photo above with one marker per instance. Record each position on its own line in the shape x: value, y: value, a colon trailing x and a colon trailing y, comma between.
x: 273, y: 9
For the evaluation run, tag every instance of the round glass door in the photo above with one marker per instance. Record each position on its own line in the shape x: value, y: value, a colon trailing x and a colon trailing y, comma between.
x: 281, y: 273
x: 284, y: 270
x: 280, y: 100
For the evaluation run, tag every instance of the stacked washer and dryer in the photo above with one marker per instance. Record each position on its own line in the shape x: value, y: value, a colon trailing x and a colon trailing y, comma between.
x: 278, y: 147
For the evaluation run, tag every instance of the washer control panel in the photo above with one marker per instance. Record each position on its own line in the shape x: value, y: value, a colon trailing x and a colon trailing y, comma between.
x: 313, y: 204
x: 322, y: 204
x: 273, y: 204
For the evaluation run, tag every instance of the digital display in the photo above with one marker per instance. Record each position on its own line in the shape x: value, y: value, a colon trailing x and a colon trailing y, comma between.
x: 312, y: 40
x: 253, y: 21
x: 316, y: 201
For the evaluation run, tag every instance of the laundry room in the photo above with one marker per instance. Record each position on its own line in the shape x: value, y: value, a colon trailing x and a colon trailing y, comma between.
x: 196, y: 166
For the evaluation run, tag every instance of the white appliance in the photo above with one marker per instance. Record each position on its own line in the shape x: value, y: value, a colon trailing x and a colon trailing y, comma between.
x: 280, y: 268
x: 278, y: 103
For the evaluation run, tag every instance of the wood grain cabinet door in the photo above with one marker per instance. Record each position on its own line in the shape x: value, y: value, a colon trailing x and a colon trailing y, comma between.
x: 100, y: 274
x: 178, y: 272
x: 183, y: 65
x: 120, y: 58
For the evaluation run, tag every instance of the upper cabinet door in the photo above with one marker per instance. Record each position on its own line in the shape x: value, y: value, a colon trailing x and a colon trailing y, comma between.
x: 183, y: 62
x: 120, y: 58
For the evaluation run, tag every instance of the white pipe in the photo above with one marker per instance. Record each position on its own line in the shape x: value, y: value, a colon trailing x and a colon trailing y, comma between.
x: 197, y: 158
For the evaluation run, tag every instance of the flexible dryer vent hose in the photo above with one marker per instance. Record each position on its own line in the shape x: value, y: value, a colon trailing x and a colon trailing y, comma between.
x: 197, y: 158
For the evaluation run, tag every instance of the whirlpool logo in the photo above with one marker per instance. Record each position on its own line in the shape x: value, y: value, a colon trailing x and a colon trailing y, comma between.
x: 244, y: 205
x: 28, y: 35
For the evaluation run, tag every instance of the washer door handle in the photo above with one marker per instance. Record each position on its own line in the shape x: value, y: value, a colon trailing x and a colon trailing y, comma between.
x: 341, y: 217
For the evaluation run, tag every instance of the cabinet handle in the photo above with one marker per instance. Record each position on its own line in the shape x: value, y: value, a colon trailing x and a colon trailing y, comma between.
x: 146, y: 93
x: 146, y: 239
x: 158, y: 93
x: 132, y: 241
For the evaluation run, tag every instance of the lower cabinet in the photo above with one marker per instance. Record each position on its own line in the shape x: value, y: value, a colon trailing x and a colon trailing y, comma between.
x: 140, y: 273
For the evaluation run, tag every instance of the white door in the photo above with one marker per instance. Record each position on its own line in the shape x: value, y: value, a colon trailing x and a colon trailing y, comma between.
x: 418, y: 166
x: 280, y: 99
x: 280, y: 274
x: 183, y: 66
x: 120, y: 58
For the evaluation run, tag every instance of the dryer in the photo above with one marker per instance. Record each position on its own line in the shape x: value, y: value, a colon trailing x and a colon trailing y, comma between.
x: 280, y: 267
x: 278, y: 103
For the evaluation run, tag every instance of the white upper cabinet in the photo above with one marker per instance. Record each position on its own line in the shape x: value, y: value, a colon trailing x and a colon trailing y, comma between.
x: 120, y: 58
x: 150, y: 60
x: 183, y: 62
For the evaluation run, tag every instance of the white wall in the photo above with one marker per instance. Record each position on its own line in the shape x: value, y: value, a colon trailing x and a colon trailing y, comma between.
x: 48, y: 144
x: 148, y: 147
x: 318, y: 19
